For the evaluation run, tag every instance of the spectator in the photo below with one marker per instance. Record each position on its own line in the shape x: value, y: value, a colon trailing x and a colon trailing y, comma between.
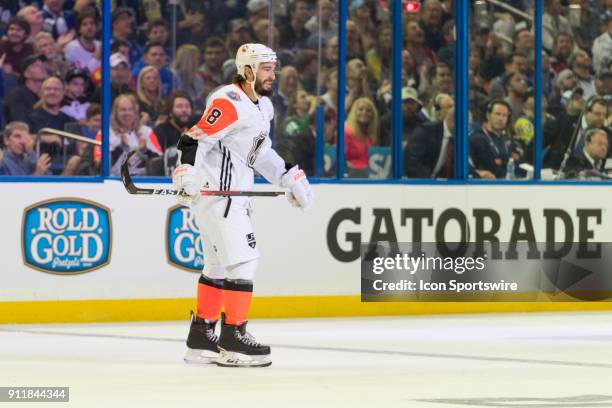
x: 330, y: 53
x: 185, y: 71
x: 430, y: 151
x: 18, y: 158
x: 93, y: 121
x: 157, y: 32
x: 595, y: 115
x: 431, y: 24
x: 257, y: 10
x: 354, y: 44
x: 330, y: 98
x: 47, y: 114
x: 287, y: 88
x: 155, y: 56
x: 262, y: 32
x: 356, y: 82
x: 516, y: 91
x: 488, y: 150
x: 305, y: 143
x: 524, y: 44
x: 167, y: 133
x: 122, y: 30
x: 327, y: 27
x: 603, y: 83
x: 85, y: 51
x: 20, y: 102
x: 75, y: 102
x: 54, y: 62
x: 211, y: 70
x: 360, y: 133
x: 121, y: 47
x: 411, y: 113
x: 565, y: 81
x: 602, y: 47
x: 295, y: 34
x: 239, y: 33
x: 557, y: 133
x: 563, y: 47
x: 523, y: 126
x: 441, y: 78
x: 581, y: 64
x: 378, y: 59
x: 361, y: 15
x: 514, y: 63
x: 149, y: 94
x: 127, y: 134
x: 590, y: 160
x: 438, y: 105
x: 419, y: 54
x: 553, y: 22
x: 306, y: 63
x: 34, y: 17
x: 446, y: 53
x: 58, y: 22
x: 15, y: 46
x: 120, y: 77
x: 299, y: 116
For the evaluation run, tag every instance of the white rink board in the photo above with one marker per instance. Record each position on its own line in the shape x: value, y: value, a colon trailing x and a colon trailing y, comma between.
x: 296, y: 259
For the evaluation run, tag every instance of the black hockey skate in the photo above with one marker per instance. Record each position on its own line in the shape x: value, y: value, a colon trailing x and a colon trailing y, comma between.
x: 237, y: 348
x: 201, y: 342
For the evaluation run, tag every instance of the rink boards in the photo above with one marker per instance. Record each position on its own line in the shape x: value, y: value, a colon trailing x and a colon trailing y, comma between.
x: 92, y: 252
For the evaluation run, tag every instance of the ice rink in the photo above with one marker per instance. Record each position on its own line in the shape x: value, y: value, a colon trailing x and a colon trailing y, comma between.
x: 505, y: 360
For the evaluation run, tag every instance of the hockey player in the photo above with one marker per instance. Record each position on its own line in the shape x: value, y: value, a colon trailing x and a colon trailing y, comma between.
x: 221, y: 152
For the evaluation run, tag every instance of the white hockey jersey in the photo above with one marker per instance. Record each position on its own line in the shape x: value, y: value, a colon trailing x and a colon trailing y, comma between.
x: 233, y: 140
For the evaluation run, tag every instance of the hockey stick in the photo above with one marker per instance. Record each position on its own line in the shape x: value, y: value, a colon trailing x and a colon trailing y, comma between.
x: 132, y: 189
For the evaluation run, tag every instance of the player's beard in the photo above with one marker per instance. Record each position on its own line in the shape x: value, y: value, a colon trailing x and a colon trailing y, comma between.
x: 260, y: 89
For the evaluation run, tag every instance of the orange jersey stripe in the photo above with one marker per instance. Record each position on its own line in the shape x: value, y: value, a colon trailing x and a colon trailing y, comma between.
x: 219, y: 116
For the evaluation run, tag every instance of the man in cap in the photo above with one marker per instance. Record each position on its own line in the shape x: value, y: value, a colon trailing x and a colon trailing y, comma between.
x: 411, y: 110
x: 75, y: 102
x: 122, y: 30
x: 20, y: 102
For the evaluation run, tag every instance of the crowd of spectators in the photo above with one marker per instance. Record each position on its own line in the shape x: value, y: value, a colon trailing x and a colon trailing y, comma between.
x: 50, y: 58
x: 167, y: 57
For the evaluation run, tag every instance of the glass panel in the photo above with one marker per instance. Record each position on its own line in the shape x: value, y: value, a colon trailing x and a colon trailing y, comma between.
x: 428, y: 61
x: 501, y: 64
x: 51, y: 90
x: 306, y: 98
x: 367, y: 127
x: 577, y: 87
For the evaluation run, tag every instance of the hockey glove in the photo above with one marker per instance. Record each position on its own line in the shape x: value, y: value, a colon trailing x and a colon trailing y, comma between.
x: 301, y: 194
x: 184, y: 178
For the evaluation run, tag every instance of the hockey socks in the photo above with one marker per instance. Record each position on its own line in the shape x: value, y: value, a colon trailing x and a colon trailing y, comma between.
x: 210, y: 298
x: 237, y: 294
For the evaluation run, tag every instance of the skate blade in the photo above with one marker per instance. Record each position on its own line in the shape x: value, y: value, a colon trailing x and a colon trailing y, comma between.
x: 194, y: 356
x: 232, y: 359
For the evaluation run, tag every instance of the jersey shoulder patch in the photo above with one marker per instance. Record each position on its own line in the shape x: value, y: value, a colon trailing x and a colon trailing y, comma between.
x: 220, y: 114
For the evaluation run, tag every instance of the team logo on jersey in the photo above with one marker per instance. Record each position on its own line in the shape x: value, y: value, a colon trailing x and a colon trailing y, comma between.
x: 258, y: 143
x: 184, y: 248
x: 66, y: 236
x: 234, y: 96
x: 251, y: 240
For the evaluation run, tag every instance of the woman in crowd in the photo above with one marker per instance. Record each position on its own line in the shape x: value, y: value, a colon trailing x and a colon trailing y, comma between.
x: 127, y: 134
x: 185, y: 70
x: 149, y: 94
x: 360, y: 133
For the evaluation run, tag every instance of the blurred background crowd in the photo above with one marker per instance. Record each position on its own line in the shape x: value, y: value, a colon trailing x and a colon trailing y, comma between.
x: 168, y: 56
